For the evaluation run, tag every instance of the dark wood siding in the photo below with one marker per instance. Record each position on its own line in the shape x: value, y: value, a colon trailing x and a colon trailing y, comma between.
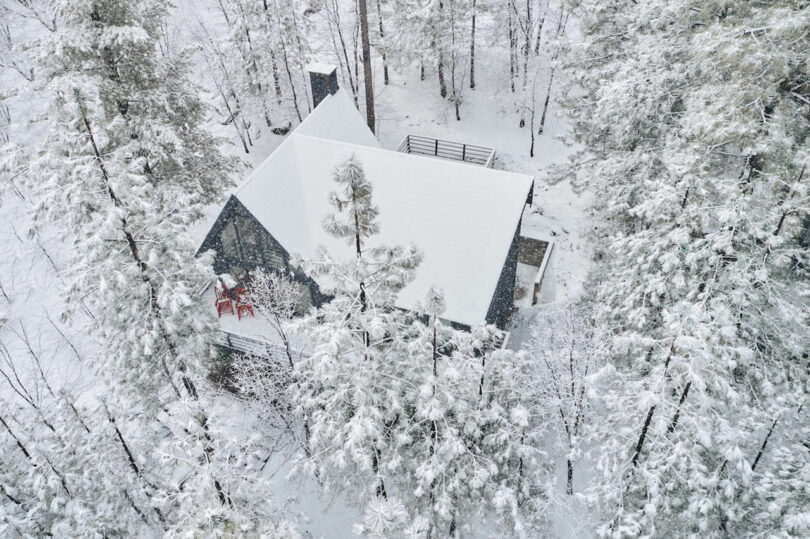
x: 502, y: 301
x: 241, y: 244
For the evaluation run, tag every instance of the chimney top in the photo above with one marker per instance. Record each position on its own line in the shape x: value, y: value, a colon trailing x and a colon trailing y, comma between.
x: 323, y: 79
x: 321, y: 69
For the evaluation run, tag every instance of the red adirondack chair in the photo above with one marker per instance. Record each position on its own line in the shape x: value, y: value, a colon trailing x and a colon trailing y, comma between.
x: 222, y: 295
x: 223, y: 301
x: 224, y: 306
x: 239, y: 293
x: 243, y: 306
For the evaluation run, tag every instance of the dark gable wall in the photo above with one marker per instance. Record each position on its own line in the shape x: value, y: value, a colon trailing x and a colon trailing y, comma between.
x: 504, y: 297
x: 242, y: 244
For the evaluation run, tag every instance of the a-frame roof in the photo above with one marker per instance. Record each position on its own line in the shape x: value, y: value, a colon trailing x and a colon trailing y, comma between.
x: 462, y: 217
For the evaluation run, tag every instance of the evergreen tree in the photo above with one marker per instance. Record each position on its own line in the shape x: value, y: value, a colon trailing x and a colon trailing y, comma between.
x: 126, y: 169
x: 348, y: 386
x: 696, y: 130
x: 468, y: 443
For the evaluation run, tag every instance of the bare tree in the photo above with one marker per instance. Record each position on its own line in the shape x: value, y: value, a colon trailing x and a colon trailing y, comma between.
x: 264, y: 381
x: 5, y: 122
x: 567, y: 345
x: 217, y: 66
x: 333, y: 19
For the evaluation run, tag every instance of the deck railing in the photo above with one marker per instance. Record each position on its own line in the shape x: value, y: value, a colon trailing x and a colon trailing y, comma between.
x: 249, y: 345
x: 256, y: 347
x: 457, y: 151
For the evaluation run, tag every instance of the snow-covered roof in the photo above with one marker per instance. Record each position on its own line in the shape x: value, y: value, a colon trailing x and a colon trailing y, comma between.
x: 336, y: 118
x: 323, y: 69
x: 462, y: 217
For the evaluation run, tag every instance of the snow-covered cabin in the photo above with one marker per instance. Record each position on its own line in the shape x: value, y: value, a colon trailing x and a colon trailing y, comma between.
x: 465, y: 218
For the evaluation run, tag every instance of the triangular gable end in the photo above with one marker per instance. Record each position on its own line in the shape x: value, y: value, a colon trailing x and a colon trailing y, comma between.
x: 242, y: 244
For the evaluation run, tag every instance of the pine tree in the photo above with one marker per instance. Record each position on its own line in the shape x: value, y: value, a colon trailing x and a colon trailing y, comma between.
x: 695, y: 128
x: 63, y: 471
x: 346, y: 386
x: 468, y: 444
x: 127, y: 168
x: 399, y: 402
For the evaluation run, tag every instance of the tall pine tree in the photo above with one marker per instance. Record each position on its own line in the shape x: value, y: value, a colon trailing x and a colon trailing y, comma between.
x: 126, y: 169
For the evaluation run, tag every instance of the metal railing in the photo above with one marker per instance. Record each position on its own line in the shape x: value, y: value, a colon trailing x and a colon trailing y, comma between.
x: 457, y: 151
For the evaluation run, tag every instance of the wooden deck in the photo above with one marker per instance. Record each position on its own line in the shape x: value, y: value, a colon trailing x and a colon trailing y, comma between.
x: 251, y: 346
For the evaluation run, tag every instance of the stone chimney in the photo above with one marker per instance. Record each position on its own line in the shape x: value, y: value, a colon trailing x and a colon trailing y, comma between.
x: 323, y: 79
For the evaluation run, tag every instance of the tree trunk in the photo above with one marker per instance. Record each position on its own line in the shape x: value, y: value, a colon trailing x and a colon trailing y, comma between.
x: 276, y: 80
x: 531, y: 119
x: 440, y: 54
x: 642, y: 436
x: 674, y: 422
x: 764, y: 443
x: 527, y: 43
x: 569, y: 485
x: 472, y: 49
x: 511, y: 52
x: 545, y: 104
x: 560, y: 30
x: 442, y: 83
x: 369, y: 83
x: 483, y: 370
x: 540, y: 31
x: 375, y: 467
x: 453, y: 85
x: 382, y: 45
x: 787, y: 212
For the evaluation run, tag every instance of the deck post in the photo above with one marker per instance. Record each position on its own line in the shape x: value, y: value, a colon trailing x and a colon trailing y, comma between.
x: 464, y: 153
x: 436, y: 148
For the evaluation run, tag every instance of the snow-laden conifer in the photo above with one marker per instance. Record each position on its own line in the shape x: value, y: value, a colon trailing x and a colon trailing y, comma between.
x: 349, y: 385
x: 126, y: 169
x: 693, y: 118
